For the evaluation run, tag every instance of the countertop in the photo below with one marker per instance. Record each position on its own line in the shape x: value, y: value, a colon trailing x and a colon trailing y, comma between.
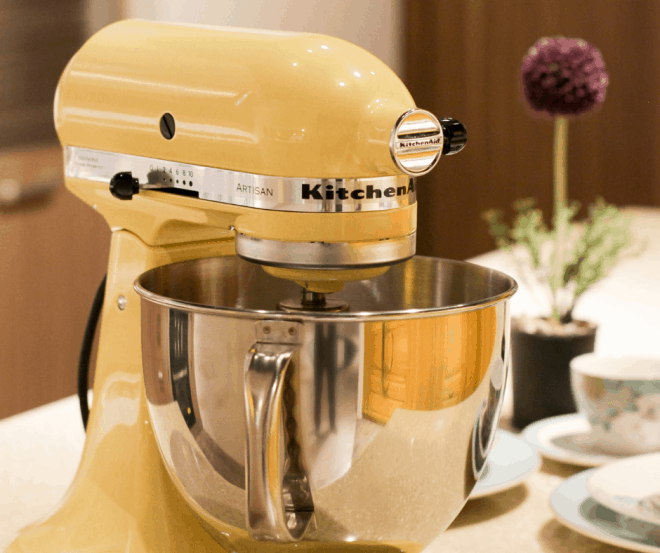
x: 40, y: 449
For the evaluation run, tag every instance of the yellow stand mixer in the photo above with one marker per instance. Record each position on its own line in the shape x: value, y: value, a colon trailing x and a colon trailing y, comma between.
x: 296, y: 152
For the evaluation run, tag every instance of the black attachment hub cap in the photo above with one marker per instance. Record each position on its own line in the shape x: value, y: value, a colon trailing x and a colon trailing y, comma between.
x: 455, y: 136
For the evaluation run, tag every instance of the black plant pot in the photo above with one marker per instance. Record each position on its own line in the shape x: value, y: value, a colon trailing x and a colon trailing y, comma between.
x: 541, y: 372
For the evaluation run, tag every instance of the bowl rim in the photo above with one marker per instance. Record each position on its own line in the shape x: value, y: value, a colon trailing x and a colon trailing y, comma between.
x: 345, y: 316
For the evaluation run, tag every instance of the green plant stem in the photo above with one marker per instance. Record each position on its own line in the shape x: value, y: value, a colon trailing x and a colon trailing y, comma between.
x: 559, y: 150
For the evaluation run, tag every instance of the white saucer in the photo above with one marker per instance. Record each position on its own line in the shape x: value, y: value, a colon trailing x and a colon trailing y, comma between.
x: 567, y: 438
x: 509, y: 463
x: 630, y: 487
x: 576, y: 509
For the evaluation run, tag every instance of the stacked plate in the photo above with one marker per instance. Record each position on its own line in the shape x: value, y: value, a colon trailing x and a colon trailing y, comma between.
x: 569, y: 439
x: 618, y: 503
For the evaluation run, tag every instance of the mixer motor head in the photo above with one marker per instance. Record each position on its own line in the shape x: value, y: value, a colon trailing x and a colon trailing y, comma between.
x: 304, y: 146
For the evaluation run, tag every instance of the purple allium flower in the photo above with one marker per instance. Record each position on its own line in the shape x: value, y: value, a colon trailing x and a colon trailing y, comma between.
x: 563, y: 76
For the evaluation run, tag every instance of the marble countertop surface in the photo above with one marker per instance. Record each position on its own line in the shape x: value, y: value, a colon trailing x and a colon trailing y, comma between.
x: 40, y: 449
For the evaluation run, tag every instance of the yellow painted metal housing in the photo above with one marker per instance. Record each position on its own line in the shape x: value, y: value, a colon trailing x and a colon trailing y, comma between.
x: 264, y: 102
x: 284, y: 104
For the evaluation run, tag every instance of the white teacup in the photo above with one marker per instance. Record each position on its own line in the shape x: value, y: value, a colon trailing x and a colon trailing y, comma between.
x: 621, y: 398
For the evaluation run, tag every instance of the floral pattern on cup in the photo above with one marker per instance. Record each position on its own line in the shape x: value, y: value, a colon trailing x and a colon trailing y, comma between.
x: 624, y: 414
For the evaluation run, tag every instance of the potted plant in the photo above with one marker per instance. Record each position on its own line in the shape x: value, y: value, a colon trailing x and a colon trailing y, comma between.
x: 562, y: 78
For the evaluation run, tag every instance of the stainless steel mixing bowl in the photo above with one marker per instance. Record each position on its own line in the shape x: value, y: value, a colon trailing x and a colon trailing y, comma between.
x: 368, y: 425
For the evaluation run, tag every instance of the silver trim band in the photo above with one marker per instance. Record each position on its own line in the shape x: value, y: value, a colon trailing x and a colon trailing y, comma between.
x: 247, y: 189
x: 325, y: 255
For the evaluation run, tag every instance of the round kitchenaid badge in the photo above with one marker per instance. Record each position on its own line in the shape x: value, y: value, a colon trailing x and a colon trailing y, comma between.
x: 416, y: 142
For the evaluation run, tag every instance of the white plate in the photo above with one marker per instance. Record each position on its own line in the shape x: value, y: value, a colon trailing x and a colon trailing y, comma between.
x: 567, y: 438
x: 580, y: 512
x: 630, y: 487
x: 509, y: 463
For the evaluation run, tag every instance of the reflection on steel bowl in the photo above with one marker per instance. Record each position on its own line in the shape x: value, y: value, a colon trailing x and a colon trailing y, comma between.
x: 367, y: 425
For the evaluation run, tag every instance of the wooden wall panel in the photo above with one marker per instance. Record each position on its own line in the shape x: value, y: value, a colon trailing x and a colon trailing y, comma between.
x: 38, y: 39
x: 53, y: 248
x: 463, y: 59
x: 53, y: 255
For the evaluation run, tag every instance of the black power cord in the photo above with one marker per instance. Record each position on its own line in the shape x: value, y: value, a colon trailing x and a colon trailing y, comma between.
x: 86, y: 350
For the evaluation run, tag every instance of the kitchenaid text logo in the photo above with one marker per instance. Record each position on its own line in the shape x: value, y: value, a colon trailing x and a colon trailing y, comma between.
x: 370, y: 193
x: 416, y: 143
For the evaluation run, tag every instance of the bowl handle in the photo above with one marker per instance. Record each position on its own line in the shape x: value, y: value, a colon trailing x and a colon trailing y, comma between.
x: 279, y: 508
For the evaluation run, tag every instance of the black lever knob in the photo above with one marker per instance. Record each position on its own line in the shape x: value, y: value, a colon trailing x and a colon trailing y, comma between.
x: 123, y: 186
x: 455, y: 136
